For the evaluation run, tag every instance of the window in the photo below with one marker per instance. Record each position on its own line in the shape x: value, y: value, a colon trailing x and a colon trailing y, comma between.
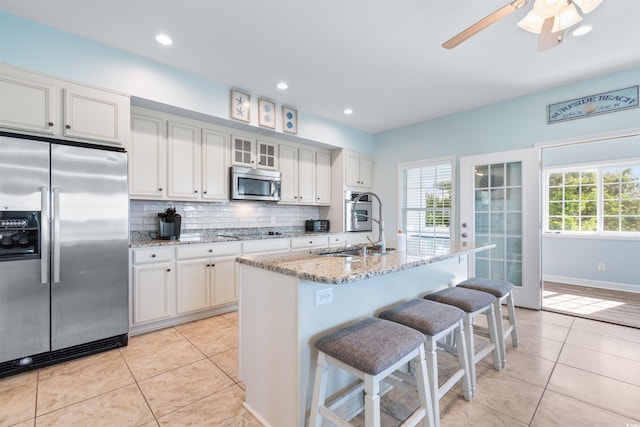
x: 603, y: 198
x: 426, y: 197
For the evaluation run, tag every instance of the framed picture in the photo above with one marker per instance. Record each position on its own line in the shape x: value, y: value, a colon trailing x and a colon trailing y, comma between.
x: 266, y: 113
x: 289, y: 120
x: 240, y: 105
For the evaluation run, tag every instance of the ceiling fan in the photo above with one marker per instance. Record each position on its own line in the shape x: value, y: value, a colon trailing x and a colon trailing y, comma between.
x: 548, y: 18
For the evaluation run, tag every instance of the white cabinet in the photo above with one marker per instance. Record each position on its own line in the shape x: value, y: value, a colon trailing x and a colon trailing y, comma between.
x: 147, y: 158
x: 358, y: 170
x: 35, y: 103
x: 206, y: 276
x: 170, y: 159
x: 152, y: 285
x: 183, y: 152
x: 306, y: 176
x: 255, y: 247
x: 253, y: 153
x: 336, y: 240
x: 309, y: 242
x: 215, y: 176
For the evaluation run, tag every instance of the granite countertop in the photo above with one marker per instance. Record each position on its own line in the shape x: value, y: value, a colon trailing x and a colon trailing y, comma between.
x: 312, y: 266
x: 145, y: 239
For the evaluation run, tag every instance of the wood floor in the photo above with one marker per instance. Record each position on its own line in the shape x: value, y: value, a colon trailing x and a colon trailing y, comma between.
x: 620, y: 308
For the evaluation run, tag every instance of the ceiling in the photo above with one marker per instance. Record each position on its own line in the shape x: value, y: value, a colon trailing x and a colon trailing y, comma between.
x: 382, y: 58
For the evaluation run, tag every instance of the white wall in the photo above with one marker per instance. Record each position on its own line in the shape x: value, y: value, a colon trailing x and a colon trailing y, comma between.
x: 510, y: 125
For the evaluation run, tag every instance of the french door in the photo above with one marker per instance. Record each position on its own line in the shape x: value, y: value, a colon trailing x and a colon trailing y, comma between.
x: 500, y: 204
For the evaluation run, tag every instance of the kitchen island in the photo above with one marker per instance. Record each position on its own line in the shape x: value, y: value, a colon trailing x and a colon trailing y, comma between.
x: 288, y: 301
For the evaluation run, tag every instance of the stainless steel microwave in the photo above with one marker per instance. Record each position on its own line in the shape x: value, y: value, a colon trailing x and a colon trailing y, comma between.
x: 364, y: 212
x: 254, y: 184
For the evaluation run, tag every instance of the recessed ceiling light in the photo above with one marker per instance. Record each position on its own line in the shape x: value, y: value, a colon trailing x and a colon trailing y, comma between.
x: 581, y: 30
x: 282, y: 86
x: 348, y: 111
x: 164, y: 39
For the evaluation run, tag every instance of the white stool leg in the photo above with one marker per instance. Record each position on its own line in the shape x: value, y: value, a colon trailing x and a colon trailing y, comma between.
x: 431, y: 358
x: 471, y: 353
x: 512, y: 319
x: 425, y: 390
x: 497, y: 308
x: 493, y: 337
x: 319, y: 390
x: 463, y: 362
x: 371, y: 401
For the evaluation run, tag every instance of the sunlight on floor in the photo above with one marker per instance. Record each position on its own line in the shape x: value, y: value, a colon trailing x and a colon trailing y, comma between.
x: 576, y: 303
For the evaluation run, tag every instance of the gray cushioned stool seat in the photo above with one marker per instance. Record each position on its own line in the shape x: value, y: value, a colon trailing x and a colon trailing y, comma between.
x: 466, y: 299
x: 371, y: 345
x: 428, y: 317
x: 497, y: 288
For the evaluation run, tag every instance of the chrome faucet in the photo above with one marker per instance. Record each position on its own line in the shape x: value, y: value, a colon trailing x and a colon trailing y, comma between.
x: 381, y: 244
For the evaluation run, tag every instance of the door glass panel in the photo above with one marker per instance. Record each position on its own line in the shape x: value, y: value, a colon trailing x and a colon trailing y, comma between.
x: 498, y: 216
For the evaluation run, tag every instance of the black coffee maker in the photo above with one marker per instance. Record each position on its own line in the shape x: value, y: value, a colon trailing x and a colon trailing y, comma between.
x: 169, y: 224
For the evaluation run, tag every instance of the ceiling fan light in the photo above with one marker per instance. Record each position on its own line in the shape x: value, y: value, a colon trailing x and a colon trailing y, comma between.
x: 567, y: 17
x: 587, y: 6
x: 548, y: 8
x: 531, y: 22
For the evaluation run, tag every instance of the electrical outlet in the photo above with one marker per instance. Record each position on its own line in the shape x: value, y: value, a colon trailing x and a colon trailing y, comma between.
x: 602, y: 266
x: 324, y: 296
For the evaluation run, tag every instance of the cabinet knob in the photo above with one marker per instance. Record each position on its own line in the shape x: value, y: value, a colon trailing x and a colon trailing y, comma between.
x: 208, y: 265
x: 213, y: 265
x: 195, y: 191
x: 68, y: 126
x: 168, y: 269
x: 153, y: 255
x: 50, y: 124
x: 210, y: 250
x: 204, y: 192
x: 159, y: 189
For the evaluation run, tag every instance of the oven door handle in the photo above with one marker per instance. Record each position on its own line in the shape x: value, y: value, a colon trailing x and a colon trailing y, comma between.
x: 56, y: 235
x: 44, y: 235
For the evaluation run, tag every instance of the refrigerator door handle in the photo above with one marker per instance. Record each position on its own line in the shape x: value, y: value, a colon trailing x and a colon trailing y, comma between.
x: 44, y: 235
x: 56, y: 235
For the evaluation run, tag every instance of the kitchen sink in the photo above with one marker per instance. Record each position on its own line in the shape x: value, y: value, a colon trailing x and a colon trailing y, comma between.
x: 354, y: 252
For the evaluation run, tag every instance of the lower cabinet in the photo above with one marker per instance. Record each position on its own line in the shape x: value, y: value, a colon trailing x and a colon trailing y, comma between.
x: 205, y: 283
x: 152, y: 285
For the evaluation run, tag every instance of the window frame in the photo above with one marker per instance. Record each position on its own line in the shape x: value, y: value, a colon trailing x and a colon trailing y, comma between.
x: 599, y: 167
x: 401, y: 213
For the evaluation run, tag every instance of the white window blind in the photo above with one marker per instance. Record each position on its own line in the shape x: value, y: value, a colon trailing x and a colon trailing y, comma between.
x: 426, y: 201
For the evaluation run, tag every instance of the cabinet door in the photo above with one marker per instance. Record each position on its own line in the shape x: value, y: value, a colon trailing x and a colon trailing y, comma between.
x: 366, y: 173
x: 153, y: 289
x: 215, y: 171
x: 223, y: 281
x: 193, y: 292
x: 267, y: 155
x: 306, y: 177
x: 242, y: 151
x: 352, y: 169
x: 97, y: 115
x: 184, y: 161
x: 26, y: 105
x: 288, y: 160
x: 147, y: 163
x: 323, y: 178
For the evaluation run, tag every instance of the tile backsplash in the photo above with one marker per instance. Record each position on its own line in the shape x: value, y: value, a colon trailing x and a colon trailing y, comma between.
x: 143, y: 215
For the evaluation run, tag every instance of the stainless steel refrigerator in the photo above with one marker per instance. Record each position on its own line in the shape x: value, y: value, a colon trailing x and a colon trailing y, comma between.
x: 63, y: 251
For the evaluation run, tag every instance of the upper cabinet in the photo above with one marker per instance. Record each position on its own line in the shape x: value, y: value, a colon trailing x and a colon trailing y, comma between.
x: 253, y: 153
x: 38, y: 104
x: 306, y: 176
x: 358, y: 170
x: 172, y: 159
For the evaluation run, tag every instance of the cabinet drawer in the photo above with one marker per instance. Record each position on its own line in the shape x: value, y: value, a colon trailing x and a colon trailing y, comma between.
x: 309, y: 242
x: 270, y: 245
x: 208, y: 250
x: 336, y: 240
x: 155, y: 254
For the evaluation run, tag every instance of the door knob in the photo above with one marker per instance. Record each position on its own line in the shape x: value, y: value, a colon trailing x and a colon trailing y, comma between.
x: 464, y: 234
x: 464, y: 225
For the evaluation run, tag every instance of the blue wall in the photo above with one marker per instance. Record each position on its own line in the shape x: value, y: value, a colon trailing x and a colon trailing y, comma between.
x: 40, y: 48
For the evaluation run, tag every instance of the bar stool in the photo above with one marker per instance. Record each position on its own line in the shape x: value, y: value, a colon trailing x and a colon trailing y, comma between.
x: 436, y: 321
x: 503, y: 291
x: 473, y: 303
x: 371, y: 349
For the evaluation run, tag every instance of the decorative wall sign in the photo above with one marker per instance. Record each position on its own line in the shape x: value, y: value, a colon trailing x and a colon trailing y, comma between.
x: 593, y: 105
x: 266, y: 113
x: 289, y: 120
x: 240, y: 105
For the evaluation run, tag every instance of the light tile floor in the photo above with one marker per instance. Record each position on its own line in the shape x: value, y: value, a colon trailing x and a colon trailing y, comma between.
x: 566, y: 372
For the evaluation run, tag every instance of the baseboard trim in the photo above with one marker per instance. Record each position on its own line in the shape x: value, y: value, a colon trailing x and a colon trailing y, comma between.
x: 613, y: 286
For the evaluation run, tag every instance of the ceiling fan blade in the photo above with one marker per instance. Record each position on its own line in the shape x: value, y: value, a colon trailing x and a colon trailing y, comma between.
x: 484, y: 23
x: 547, y: 39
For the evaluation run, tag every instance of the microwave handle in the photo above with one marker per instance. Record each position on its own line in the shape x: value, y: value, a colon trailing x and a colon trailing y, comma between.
x: 273, y: 187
